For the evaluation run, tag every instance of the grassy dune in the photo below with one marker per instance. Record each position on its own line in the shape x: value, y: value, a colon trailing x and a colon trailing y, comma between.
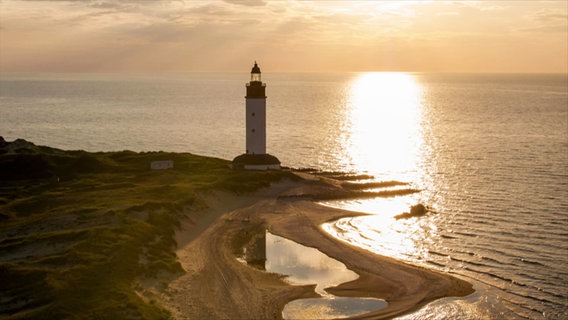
x: 83, y: 235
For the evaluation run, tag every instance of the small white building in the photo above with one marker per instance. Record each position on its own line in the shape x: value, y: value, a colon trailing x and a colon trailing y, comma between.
x: 255, y: 157
x: 162, y: 165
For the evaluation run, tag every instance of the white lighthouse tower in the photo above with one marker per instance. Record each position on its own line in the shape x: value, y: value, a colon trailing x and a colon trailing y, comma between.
x: 256, y: 113
x: 255, y: 157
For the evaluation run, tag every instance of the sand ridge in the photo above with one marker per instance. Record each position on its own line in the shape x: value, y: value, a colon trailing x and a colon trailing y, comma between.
x: 217, y: 285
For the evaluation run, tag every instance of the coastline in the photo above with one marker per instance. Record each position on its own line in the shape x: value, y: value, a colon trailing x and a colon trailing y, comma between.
x: 217, y: 285
x: 92, y: 233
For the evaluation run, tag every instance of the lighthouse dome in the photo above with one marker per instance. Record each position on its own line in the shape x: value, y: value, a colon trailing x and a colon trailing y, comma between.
x: 255, y: 69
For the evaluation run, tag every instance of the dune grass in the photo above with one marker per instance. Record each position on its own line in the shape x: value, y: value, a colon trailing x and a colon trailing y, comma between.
x: 81, y: 233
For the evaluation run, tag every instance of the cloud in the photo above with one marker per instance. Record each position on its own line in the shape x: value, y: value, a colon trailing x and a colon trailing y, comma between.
x: 551, y: 16
x: 548, y: 21
x: 248, y: 3
x: 107, y: 5
x: 137, y: 35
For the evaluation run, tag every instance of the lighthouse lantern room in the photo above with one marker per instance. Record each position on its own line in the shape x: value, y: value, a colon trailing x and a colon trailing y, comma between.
x: 255, y: 156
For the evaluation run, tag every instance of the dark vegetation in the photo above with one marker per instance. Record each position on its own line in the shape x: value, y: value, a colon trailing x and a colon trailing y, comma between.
x: 83, y: 235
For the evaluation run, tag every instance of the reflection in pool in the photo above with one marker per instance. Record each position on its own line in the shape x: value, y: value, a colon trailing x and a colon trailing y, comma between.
x: 330, y: 308
x: 304, y: 265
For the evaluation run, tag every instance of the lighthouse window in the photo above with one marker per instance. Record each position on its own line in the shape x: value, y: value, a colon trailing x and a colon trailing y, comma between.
x: 252, y: 130
x: 253, y: 114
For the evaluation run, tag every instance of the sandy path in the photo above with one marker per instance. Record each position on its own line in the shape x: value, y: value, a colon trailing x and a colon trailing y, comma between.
x: 216, y: 285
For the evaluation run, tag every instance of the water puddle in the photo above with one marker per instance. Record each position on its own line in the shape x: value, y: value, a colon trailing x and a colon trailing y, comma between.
x: 330, y: 307
x: 304, y: 265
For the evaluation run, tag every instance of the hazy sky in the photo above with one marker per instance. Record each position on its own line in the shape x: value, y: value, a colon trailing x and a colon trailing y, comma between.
x: 283, y: 35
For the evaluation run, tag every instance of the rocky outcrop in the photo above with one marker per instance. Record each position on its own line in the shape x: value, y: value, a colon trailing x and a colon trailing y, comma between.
x: 417, y: 210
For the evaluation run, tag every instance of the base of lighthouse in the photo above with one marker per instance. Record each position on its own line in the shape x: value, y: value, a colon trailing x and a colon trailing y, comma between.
x: 256, y: 162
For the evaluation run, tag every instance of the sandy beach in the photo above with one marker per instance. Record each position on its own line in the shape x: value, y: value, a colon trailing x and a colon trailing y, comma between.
x: 217, y: 285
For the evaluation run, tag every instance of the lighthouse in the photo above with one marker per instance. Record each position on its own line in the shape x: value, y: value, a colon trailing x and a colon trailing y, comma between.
x: 255, y: 156
x: 256, y: 113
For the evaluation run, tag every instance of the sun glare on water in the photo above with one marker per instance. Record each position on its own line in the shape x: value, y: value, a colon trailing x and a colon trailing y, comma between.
x: 384, y: 119
x: 385, y: 139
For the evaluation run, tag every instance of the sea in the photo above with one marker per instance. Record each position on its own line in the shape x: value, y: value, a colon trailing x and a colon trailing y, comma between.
x: 489, y: 153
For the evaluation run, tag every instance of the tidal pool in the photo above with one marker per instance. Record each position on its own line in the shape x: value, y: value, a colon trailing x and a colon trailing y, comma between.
x: 330, y: 307
x: 304, y: 265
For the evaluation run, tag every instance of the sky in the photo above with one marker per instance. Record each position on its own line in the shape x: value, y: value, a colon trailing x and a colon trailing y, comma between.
x: 283, y: 36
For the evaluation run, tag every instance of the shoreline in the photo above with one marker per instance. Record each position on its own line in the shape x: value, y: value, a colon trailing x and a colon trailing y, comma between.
x: 217, y: 285
x: 106, y: 222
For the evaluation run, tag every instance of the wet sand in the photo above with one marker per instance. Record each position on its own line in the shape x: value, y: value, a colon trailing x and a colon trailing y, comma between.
x: 216, y: 285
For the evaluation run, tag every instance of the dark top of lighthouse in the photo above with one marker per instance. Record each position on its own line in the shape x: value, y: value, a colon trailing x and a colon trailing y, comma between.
x: 255, y: 73
x: 255, y: 69
x: 255, y: 89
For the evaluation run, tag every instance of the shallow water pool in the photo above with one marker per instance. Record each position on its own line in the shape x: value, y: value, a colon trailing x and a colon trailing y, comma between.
x: 304, y: 265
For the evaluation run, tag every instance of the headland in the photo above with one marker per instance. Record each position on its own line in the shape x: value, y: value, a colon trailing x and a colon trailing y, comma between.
x: 105, y: 235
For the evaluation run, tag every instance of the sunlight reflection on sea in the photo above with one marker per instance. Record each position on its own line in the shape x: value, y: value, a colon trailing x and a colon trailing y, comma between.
x: 385, y: 138
x: 395, y: 130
